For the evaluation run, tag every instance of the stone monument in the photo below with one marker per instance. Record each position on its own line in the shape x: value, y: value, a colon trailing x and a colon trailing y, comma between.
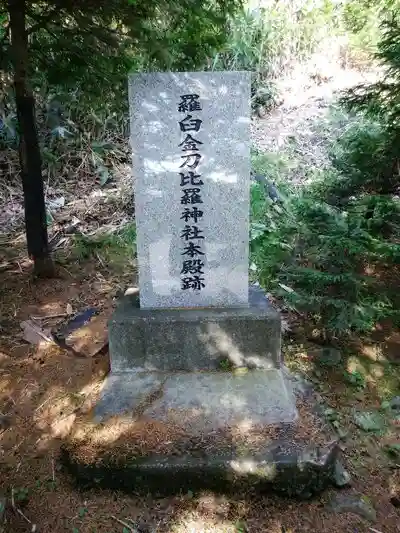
x: 199, y: 348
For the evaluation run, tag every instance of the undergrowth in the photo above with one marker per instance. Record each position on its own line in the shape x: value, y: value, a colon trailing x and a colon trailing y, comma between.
x: 332, y: 251
x: 114, y: 251
x: 82, y: 115
x: 324, y: 262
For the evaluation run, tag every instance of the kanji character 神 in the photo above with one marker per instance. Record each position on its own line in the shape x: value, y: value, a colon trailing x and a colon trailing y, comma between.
x: 193, y: 213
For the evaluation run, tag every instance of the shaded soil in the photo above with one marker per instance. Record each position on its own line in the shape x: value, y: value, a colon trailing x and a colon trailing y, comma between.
x: 45, y: 393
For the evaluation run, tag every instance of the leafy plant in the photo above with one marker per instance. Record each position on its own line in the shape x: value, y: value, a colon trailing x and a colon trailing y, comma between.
x: 21, y: 495
x: 240, y: 527
x: 333, y: 251
x: 393, y: 450
x: 370, y: 421
x: 268, y: 40
x: 82, y: 511
x: 225, y: 365
x: 355, y: 378
x: 85, y: 50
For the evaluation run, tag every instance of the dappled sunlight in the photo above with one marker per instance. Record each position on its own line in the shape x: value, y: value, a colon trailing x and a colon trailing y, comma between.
x: 245, y: 467
x: 193, y: 522
x: 208, y: 502
x: 51, y: 308
x: 220, y: 343
x: 102, y: 435
x: 354, y: 364
x: 373, y: 352
x: 233, y: 401
x: 243, y: 427
x: 378, y: 374
x: 5, y: 386
x: 62, y: 427
x: 223, y: 177
x: 225, y: 166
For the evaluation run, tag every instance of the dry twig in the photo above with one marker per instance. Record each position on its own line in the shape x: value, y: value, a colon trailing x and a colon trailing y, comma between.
x: 125, y: 524
x: 17, y: 510
x: 59, y: 315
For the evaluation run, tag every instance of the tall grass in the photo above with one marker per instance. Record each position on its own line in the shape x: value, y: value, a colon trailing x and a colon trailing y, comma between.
x: 269, y: 40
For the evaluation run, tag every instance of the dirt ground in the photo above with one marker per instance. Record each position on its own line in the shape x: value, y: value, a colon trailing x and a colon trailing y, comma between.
x: 43, y: 390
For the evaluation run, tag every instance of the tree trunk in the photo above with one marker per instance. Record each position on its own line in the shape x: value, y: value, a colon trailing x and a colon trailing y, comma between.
x: 29, y: 152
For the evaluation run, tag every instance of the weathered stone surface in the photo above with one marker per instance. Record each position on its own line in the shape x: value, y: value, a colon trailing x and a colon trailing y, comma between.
x: 341, y: 477
x: 202, y: 401
x: 353, y: 503
x: 326, y: 356
x: 370, y: 421
x: 297, y: 383
x: 281, y: 467
x: 394, y: 404
x: 206, y: 400
x: 126, y: 393
x: 194, y: 339
x: 224, y: 172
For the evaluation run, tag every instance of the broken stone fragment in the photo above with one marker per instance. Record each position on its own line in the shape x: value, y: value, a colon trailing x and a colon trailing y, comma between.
x: 353, y: 503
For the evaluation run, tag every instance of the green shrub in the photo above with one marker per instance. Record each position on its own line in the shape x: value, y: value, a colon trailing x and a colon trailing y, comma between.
x: 330, y: 264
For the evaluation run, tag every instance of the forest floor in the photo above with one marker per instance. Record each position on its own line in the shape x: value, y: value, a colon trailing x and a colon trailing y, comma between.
x: 44, y: 388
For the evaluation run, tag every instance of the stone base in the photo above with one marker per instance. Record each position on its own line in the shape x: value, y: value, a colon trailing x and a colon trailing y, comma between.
x: 172, y: 422
x: 199, y: 401
x: 195, y: 339
x: 279, y: 468
x: 167, y: 433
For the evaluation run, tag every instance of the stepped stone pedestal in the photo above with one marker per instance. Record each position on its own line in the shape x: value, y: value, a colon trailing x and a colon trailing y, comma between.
x: 196, y: 395
x: 207, y: 367
x: 195, y: 339
x: 162, y: 427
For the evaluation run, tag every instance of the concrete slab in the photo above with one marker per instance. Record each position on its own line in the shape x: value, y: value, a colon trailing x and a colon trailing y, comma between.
x: 126, y: 393
x: 194, y: 339
x: 282, y: 468
x: 205, y: 401
x: 199, y: 401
